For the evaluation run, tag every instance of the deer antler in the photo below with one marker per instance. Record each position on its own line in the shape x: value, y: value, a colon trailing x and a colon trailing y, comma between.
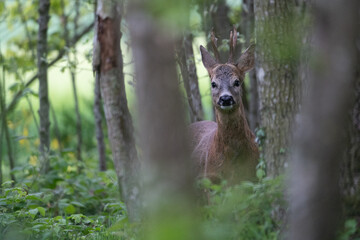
x: 232, y: 43
x: 214, y: 46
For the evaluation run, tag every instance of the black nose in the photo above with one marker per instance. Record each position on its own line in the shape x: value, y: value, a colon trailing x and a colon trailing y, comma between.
x: 226, y: 100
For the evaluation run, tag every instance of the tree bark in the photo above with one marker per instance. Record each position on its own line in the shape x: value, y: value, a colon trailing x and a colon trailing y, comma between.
x: 350, y: 166
x: 222, y: 27
x: 186, y: 60
x: 98, y: 124
x: 276, y: 71
x: 4, y: 127
x: 108, y: 60
x: 42, y: 64
x: 214, y: 16
x: 248, y: 20
x: 98, y: 114
x: 315, y: 195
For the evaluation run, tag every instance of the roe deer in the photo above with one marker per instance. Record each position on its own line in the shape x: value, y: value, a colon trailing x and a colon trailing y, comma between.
x: 227, y: 148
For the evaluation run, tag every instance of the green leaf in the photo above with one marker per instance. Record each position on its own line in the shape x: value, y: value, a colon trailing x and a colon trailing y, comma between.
x: 41, y: 211
x: 260, y: 173
x: 33, y: 212
x: 260, y: 133
x: 350, y: 226
x: 78, y: 204
x: 34, y: 196
x: 76, y: 218
x: 56, y: 229
x: 70, y: 209
x: 8, y: 183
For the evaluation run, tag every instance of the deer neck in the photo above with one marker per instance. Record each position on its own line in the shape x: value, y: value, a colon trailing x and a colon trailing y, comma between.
x: 233, y: 131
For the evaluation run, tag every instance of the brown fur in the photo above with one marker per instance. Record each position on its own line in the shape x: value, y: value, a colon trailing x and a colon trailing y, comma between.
x: 227, y: 148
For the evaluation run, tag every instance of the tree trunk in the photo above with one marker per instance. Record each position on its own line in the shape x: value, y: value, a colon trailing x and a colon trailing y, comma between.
x: 73, y: 81
x: 315, y: 194
x: 350, y: 174
x: 72, y: 68
x: 214, y: 16
x: 98, y: 114
x: 98, y: 124
x: 4, y: 127
x: 169, y: 174
x: 186, y: 60
x: 108, y: 61
x: 276, y: 70
x: 2, y: 119
x: 222, y: 27
x: 44, y: 134
x: 248, y: 28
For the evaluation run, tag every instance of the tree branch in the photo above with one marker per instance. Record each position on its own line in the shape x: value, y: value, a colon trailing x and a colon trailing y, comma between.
x: 58, y: 57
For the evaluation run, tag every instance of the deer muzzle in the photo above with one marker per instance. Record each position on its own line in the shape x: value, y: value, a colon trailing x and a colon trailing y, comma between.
x: 226, y: 102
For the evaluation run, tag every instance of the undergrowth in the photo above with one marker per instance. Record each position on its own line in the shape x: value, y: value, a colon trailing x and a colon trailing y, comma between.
x: 65, y: 204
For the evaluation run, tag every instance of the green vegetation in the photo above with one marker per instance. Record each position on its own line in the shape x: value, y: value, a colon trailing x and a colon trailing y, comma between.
x: 66, y: 205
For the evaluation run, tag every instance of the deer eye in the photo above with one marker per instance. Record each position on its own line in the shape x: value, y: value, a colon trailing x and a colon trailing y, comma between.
x: 213, y: 85
x: 236, y: 83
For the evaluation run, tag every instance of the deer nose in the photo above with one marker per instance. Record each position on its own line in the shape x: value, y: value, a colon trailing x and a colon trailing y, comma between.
x: 226, y: 100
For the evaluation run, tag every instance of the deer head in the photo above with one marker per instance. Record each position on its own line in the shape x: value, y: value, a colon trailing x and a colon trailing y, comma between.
x: 226, y: 79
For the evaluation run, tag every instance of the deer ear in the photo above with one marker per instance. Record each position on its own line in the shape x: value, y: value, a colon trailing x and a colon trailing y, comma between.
x: 208, y: 61
x: 247, y: 60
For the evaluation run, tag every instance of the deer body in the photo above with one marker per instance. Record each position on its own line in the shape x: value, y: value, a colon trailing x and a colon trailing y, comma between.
x: 227, y: 148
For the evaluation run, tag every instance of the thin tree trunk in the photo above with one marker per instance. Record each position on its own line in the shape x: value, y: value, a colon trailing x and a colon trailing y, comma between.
x: 108, y: 60
x: 248, y: 27
x: 168, y: 168
x: 98, y: 113
x: 2, y: 107
x: 276, y: 71
x: 1, y: 152
x: 44, y: 134
x: 5, y: 127
x: 186, y: 60
x: 73, y: 80
x: 222, y: 27
x: 3, y: 110
x: 72, y: 68
x: 98, y: 124
x: 319, y: 142
x: 9, y: 147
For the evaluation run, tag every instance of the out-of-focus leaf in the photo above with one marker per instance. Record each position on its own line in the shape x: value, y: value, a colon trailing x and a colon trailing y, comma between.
x: 78, y: 204
x: 41, y: 211
x: 70, y: 209
x: 33, y: 212
x: 2, y: 7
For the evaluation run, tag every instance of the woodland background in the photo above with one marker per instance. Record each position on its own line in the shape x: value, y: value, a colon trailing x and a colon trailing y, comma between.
x: 70, y: 170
